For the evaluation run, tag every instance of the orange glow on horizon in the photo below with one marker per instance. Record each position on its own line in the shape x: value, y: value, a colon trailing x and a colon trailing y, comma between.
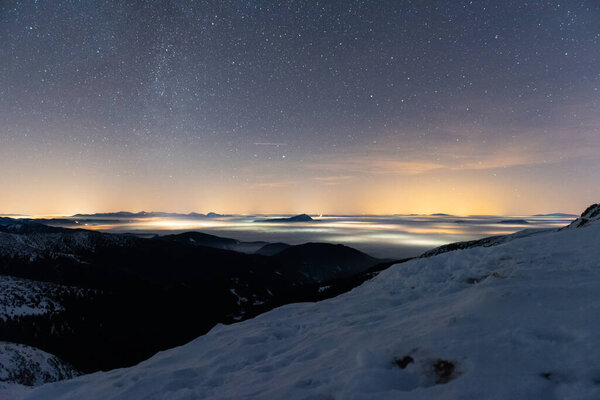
x: 450, y: 192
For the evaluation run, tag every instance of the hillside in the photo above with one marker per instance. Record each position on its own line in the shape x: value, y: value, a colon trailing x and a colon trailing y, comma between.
x: 101, y: 301
x: 25, y: 366
x: 512, y: 320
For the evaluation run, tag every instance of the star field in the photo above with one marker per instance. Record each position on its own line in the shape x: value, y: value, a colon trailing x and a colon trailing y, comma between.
x: 273, y: 106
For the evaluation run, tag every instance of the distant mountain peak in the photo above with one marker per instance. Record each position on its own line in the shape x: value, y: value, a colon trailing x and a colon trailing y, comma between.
x: 556, y: 214
x: 295, y: 218
x: 146, y: 214
x: 514, y: 221
x: 301, y: 217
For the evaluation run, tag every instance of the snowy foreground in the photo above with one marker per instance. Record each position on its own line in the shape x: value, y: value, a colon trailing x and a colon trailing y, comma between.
x: 519, y: 320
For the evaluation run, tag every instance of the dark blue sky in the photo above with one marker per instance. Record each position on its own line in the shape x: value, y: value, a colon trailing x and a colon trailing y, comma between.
x: 358, y: 106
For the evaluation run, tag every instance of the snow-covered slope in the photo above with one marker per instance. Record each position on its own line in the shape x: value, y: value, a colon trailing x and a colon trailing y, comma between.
x: 518, y: 320
x: 22, y: 366
x: 485, y: 242
x: 591, y: 214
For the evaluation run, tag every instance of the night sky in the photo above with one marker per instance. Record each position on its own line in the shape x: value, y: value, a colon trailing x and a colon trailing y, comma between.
x: 299, y: 106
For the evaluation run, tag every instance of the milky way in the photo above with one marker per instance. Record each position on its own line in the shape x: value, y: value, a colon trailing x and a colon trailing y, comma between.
x: 358, y: 106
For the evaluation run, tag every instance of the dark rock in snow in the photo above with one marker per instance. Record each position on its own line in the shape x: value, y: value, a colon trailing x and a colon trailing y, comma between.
x: 403, y: 362
x: 444, y: 370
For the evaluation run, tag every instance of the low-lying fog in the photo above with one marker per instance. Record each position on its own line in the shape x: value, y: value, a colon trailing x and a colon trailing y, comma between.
x: 395, y: 236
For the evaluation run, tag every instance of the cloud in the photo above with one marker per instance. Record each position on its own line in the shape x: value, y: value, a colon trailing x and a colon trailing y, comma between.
x: 384, y: 164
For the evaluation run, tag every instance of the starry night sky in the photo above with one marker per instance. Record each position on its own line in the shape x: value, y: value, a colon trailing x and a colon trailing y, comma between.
x: 299, y: 106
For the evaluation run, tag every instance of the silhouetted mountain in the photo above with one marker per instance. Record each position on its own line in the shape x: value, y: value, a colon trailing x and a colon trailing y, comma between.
x: 272, y: 248
x: 295, y: 218
x: 118, y: 299
x: 322, y: 261
x: 120, y: 214
x: 217, y: 242
x: 144, y: 214
x: 555, y: 215
x: 25, y: 226
x: 513, y: 221
x: 202, y: 239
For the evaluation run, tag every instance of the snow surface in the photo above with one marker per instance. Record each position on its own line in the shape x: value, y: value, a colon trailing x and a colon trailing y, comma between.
x: 22, y: 366
x: 518, y: 320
